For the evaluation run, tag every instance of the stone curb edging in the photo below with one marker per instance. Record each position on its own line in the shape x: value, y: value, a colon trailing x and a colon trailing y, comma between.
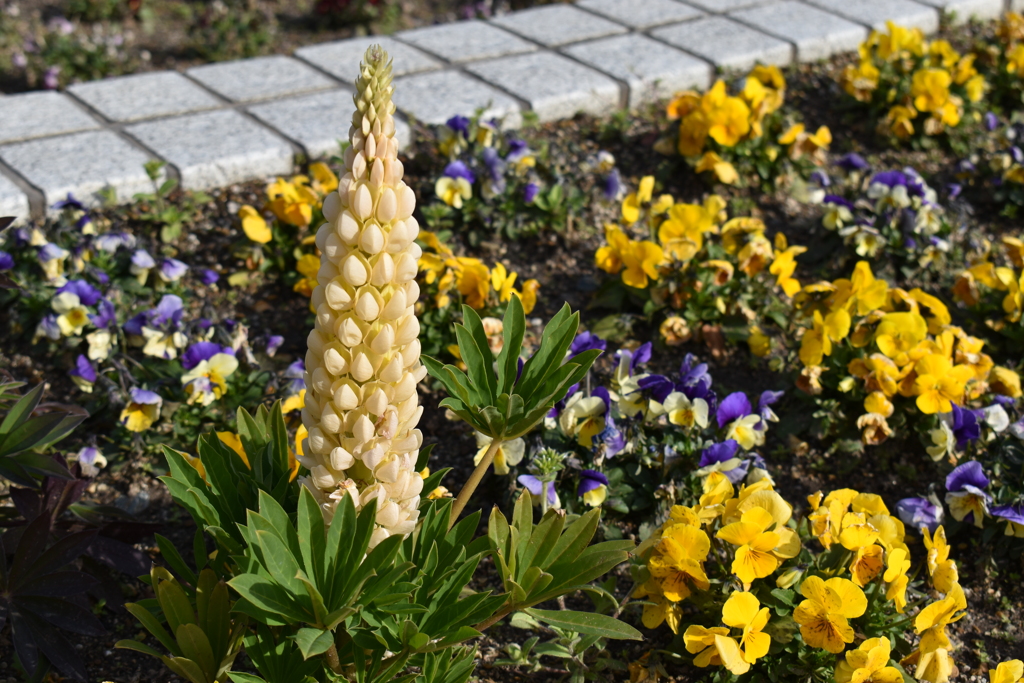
x: 229, y: 122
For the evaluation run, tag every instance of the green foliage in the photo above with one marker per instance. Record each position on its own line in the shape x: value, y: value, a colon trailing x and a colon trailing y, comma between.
x: 201, y: 634
x: 507, y: 403
x: 540, y: 562
x: 233, y: 486
x: 22, y: 434
x: 231, y: 29
x: 170, y: 216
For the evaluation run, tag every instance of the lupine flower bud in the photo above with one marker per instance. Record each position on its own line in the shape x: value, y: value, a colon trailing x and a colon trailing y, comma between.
x: 362, y: 364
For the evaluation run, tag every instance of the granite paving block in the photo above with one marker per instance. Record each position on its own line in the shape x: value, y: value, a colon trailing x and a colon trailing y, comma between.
x: 963, y: 10
x: 317, y: 121
x: 144, y: 96
x: 433, y: 98
x: 652, y: 70
x: 80, y: 163
x: 721, y: 6
x: 466, y: 41
x: 38, y: 114
x: 555, y: 25
x: 217, y: 148
x: 554, y: 86
x: 726, y: 43
x: 641, y: 14
x: 260, y: 78
x: 817, y: 34
x: 341, y: 58
x: 875, y: 13
x: 13, y: 201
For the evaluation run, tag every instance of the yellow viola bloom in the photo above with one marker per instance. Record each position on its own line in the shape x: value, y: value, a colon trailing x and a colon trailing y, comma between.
x: 1011, y: 671
x: 683, y: 412
x: 453, y: 191
x: 207, y: 381
x: 895, y: 577
x: 678, y: 563
x: 231, y: 440
x: 860, y: 80
x: 609, y: 258
x: 724, y: 171
x: 900, y: 120
x: 754, y: 558
x: 502, y: 282
x: 634, y: 200
x: 682, y: 233
x: 308, y: 266
x: 728, y: 117
x: 817, y: 341
x: 509, y: 453
x: 703, y: 642
x: 868, y: 664
x: 859, y: 536
x: 877, y: 402
x: 292, y: 202
x: 784, y: 265
x: 253, y: 224
x: 1005, y: 381
x: 743, y: 611
x: 657, y: 608
x: 72, y: 316
x: 939, y: 384
x: 324, y: 180
x: 759, y: 343
x: 825, y: 613
x: 744, y: 431
x: 898, y: 333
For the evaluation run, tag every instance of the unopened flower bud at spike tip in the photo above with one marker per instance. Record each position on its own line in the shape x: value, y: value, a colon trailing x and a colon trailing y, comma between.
x: 363, y: 357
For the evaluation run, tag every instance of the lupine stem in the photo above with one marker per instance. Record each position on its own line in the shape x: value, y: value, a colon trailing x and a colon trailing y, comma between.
x: 474, y: 480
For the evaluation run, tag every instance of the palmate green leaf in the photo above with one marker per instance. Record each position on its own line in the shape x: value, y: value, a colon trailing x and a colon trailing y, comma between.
x: 313, y: 641
x: 196, y: 647
x: 36, y: 432
x: 587, y: 622
x: 186, y: 668
x: 513, y: 330
x: 475, y: 326
x: 21, y: 410
x: 555, y: 340
x: 270, y: 597
x: 153, y: 625
x: 173, y: 602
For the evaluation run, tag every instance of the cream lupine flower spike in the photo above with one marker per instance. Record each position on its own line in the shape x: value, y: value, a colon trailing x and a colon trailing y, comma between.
x: 362, y: 362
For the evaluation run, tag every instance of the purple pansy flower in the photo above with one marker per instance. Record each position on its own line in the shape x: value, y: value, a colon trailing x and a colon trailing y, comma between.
x: 112, y: 241
x: 516, y: 149
x: 611, y: 186
x: 723, y: 452
x: 83, y: 369
x: 6, y: 261
x: 918, y: 512
x: 768, y: 398
x: 821, y: 178
x: 200, y: 351
x: 965, y: 426
x: 48, y: 327
x: 50, y: 251
x: 590, y: 480
x: 457, y: 169
x: 530, y: 192
x: 836, y: 199
x: 535, y: 486
x: 459, y: 124
x: 968, y: 474
x: 559, y: 406
x: 145, y: 397
x: 991, y: 121
x: 69, y: 203
x: 273, y: 344
x: 585, y: 341
x: 733, y: 407
x: 105, y: 314
x: 172, y: 269
x: 85, y: 292
x: 853, y: 162
x: 1009, y: 513
x: 296, y: 373
x: 208, y: 277
x: 141, y: 259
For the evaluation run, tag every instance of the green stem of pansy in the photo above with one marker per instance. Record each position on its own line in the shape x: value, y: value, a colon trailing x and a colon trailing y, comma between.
x: 473, y: 482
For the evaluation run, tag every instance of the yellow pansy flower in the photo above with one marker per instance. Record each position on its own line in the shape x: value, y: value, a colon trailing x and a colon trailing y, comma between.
x: 678, y: 562
x: 898, y: 333
x: 308, y: 266
x: 754, y: 558
x: 253, y: 224
x: 657, y: 608
x: 1011, y: 671
x: 784, y: 265
x: 743, y: 610
x: 728, y: 117
x: 509, y: 452
x: 704, y: 642
x: 895, y: 577
x: 292, y: 202
x: 939, y: 384
x: 453, y: 191
x: 723, y: 170
x: 868, y: 664
x: 825, y: 613
x: 72, y: 316
x: 860, y: 80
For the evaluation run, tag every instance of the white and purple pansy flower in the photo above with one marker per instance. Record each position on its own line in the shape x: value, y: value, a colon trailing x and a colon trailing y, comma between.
x: 593, y: 487
x: 920, y: 512
x: 965, y: 494
x: 536, y: 486
x: 1013, y: 515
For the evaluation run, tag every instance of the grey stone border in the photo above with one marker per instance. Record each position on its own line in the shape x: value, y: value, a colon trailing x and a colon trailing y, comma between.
x: 235, y: 121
